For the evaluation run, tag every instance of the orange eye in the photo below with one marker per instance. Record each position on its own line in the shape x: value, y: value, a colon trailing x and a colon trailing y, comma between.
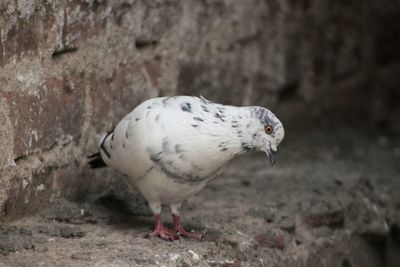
x: 268, y: 129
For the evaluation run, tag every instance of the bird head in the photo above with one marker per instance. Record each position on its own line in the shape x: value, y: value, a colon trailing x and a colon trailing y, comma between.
x: 266, y: 131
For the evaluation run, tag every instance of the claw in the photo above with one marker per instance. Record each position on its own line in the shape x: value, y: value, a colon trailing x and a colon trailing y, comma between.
x: 190, y: 235
x: 161, y: 231
x: 181, y: 232
x: 164, y: 234
x: 178, y: 233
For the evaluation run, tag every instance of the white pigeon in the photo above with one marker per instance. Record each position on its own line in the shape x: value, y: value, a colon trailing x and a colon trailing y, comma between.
x: 171, y: 147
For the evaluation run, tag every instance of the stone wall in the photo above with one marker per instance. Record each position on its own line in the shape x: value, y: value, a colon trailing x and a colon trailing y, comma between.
x: 71, y: 69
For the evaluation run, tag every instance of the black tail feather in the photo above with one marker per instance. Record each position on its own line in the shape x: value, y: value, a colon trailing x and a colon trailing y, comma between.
x: 95, y: 161
x: 95, y: 155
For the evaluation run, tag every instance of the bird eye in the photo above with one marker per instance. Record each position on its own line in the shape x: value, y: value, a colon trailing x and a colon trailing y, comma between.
x: 268, y: 129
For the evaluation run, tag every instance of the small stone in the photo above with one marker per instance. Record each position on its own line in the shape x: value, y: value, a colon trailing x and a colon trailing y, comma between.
x: 338, y: 182
x: 235, y: 263
x: 28, y: 246
x: 25, y: 231
x: 41, y: 248
x: 184, y: 264
x: 366, y: 182
x: 268, y: 216
x: 102, y: 244
x: 47, y: 230
x: 213, y: 235
x: 245, y: 183
x: 287, y: 224
x: 81, y: 256
x: 271, y: 240
x: 322, y: 213
x: 68, y: 232
x: 322, y: 232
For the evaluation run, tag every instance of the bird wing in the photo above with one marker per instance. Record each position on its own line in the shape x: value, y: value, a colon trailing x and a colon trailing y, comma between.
x: 167, y: 134
x: 179, y: 141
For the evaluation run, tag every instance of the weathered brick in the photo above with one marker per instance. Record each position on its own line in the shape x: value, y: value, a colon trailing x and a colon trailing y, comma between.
x: 212, y: 82
x: 2, y: 56
x: 29, y: 194
x: 21, y: 40
x: 6, y: 137
x: 81, y: 20
x: 153, y: 69
x: 54, y: 113
x: 157, y: 18
x: 114, y: 97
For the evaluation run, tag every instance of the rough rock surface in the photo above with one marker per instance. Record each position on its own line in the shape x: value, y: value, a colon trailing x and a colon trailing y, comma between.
x: 71, y: 69
x: 328, y: 205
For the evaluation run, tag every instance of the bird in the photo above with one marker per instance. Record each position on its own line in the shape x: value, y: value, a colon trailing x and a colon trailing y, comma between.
x: 170, y: 147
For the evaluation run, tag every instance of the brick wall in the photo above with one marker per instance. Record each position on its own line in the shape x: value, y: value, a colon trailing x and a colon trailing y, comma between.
x: 71, y: 69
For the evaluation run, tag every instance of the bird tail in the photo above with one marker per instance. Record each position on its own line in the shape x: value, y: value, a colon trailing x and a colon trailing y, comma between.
x: 96, y: 160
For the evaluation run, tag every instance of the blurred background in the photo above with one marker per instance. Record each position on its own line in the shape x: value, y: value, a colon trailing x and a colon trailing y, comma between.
x: 70, y: 70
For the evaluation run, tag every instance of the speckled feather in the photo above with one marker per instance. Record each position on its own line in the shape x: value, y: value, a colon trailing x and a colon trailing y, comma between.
x: 170, y: 147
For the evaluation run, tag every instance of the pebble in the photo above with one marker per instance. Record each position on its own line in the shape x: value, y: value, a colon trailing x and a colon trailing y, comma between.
x: 68, y: 232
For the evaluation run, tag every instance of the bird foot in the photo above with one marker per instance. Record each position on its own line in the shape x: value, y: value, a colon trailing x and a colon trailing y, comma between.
x: 163, y: 233
x: 181, y: 232
x: 189, y: 235
x: 169, y: 235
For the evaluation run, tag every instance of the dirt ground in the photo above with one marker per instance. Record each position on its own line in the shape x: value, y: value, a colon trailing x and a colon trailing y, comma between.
x: 331, y: 200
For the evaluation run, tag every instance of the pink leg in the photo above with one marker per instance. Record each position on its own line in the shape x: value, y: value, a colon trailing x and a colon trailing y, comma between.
x: 161, y: 231
x: 180, y: 231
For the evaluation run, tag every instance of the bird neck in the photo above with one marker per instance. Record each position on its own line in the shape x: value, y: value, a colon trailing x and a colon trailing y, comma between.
x: 237, y: 135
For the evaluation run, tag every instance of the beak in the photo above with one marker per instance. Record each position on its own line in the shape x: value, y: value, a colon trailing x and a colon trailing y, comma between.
x: 272, y: 154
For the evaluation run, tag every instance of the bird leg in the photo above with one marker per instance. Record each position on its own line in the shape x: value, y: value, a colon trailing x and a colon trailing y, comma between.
x: 161, y: 231
x: 181, y: 232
